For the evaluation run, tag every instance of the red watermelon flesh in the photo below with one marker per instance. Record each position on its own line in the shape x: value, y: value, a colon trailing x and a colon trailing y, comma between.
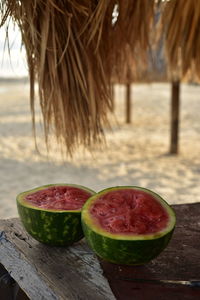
x: 59, y: 198
x: 129, y: 211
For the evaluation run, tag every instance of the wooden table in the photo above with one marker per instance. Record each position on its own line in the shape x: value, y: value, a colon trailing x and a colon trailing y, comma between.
x: 48, y: 273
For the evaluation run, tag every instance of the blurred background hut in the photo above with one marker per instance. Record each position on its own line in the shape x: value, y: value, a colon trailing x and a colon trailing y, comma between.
x: 76, y: 51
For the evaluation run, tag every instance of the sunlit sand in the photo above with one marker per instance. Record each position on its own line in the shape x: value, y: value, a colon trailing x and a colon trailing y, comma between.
x: 135, y: 154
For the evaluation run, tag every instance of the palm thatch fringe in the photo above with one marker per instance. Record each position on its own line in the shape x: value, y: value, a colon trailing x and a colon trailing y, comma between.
x: 132, y: 38
x: 74, y: 50
x: 180, y: 26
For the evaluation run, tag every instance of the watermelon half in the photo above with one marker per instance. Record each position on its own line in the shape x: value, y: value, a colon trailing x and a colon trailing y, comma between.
x: 127, y: 224
x: 52, y: 213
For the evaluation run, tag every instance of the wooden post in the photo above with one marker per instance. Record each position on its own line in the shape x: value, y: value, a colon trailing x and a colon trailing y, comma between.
x: 128, y: 103
x: 112, y: 97
x: 175, y: 103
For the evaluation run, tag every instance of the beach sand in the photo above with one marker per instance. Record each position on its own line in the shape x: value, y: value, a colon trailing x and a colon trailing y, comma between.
x: 136, y: 153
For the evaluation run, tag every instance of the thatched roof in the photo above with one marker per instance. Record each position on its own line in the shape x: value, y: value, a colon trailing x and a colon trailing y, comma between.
x: 180, y: 24
x: 75, y: 49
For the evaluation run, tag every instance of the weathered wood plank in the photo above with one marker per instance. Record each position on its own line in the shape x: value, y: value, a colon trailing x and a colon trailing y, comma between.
x: 74, y: 273
x: 51, y: 272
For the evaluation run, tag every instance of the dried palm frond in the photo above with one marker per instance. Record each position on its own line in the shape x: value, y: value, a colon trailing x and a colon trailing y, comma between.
x: 180, y: 25
x: 65, y: 59
x: 132, y: 34
x: 73, y: 51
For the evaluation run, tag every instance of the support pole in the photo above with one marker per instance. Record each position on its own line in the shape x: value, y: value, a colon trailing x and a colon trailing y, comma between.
x: 128, y: 103
x: 112, y: 97
x: 175, y: 103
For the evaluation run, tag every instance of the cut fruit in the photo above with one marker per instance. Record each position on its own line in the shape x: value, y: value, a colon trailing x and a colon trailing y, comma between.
x: 127, y: 224
x: 52, y: 213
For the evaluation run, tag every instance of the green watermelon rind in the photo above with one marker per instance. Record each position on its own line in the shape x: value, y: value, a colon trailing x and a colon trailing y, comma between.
x: 59, y: 229
x: 126, y: 252
x: 50, y: 226
x: 126, y: 249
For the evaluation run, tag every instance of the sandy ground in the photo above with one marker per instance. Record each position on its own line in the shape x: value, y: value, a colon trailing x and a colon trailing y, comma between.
x: 136, y: 154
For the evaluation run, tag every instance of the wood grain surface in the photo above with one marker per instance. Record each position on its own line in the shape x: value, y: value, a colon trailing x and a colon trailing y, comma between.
x: 74, y: 273
x: 45, y: 272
